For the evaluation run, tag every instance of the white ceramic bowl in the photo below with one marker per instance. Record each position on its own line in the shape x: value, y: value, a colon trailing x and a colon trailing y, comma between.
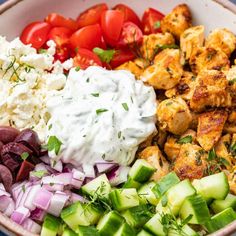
x: 15, y: 14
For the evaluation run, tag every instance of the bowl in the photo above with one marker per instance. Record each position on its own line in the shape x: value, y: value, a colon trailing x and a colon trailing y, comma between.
x: 15, y: 14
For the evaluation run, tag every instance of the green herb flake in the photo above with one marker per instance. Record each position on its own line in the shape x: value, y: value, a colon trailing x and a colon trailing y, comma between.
x: 233, y: 81
x: 54, y: 144
x: 104, y: 55
x: 50, y: 126
x: 39, y: 173
x: 24, y: 155
x: 77, y: 68
x: 95, y: 94
x: 41, y: 51
x: 157, y: 25
x: 101, y: 110
x: 76, y: 49
x: 23, y: 188
x: 169, y: 103
x: 186, y: 139
x: 125, y: 106
x: 164, y: 201
x: 119, y: 134
x: 211, y: 155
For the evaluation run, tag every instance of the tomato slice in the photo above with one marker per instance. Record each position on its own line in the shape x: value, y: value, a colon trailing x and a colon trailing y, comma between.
x: 62, y: 53
x: 87, y: 37
x: 60, y: 35
x: 57, y: 20
x: 92, y: 15
x: 85, y: 58
x: 129, y: 14
x: 151, y: 21
x: 131, y: 35
x: 121, y: 57
x: 23, y: 173
x: 36, y: 34
x: 111, y: 23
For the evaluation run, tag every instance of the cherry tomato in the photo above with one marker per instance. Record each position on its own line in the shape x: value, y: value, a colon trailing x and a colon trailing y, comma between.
x: 85, y: 58
x: 129, y: 14
x: 36, y: 34
x: 87, y: 37
x: 23, y: 173
x: 92, y: 15
x: 151, y: 21
x: 62, y: 53
x: 57, y: 20
x: 131, y: 35
x: 60, y: 35
x: 121, y: 57
x: 111, y: 23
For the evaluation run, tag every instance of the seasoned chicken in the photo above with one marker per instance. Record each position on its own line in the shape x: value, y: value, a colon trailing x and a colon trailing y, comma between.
x: 231, y: 77
x: 232, y: 180
x: 191, y: 162
x: 154, y: 157
x: 152, y: 43
x: 206, y: 58
x: 177, y: 21
x: 210, y: 126
x: 221, y: 39
x: 174, y: 115
x: 191, y: 39
x: 210, y: 91
x: 230, y: 125
x: 166, y: 71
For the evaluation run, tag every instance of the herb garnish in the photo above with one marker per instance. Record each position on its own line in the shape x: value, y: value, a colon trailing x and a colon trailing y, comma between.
x: 24, y: 155
x: 95, y: 94
x: 101, y: 110
x: 41, y: 51
x: 54, y: 144
x: 50, y: 126
x: 39, y: 173
x: 125, y: 106
x: 23, y: 188
x: 104, y: 55
x: 233, y: 81
x: 119, y: 134
x: 77, y: 68
x: 186, y: 139
x: 157, y: 25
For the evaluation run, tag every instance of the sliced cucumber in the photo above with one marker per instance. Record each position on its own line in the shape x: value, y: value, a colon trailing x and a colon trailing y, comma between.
x: 51, y: 225
x: 165, y: 183
x: 141, y: 171
x: 154, y: 225
x: 137, y: 216
x: 144, y: 233
x: 68, y: 232
x: 123, y: 199
x: 213, y: 186
x: 220, y: 220
x: 220, y: 205
x: 146, y: 194
x: 130, y: 183
x: 197, y: 207
x: 99, y: 186
x: 87, y: 231
x: 125, y: 230
x: 110, y: 223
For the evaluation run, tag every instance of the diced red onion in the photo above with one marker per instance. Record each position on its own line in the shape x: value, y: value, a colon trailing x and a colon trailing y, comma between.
x: 76, y: 197
x: 54, y: 187
x: 10, y: 208
x: 38, y: 214
x: 118, y: 175
x: 45, y: 159
x: 63, y: 178
x: 58, y: 166
x: 89, y: 171
x: 104, y: 167
x: 24, y: 197
x: 87, y: 180
x: 76, y: 183
x: 20, y: 214
x: 4, y: 203
x: 68, y: 168
x: 18, y: 188
x: 42, y: 199
x: 31, y: 196
x: 79, y: 175
x: 4, y: 193
x: 31, y: 226
x: 2, y: 187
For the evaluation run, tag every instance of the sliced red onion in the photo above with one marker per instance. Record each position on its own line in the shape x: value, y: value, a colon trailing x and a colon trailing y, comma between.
x: 20, y: 214
x: 2, y: 187
x: 57, y: 166
x: 89, y: 171
x: 57, y: 203
x: 38, y: 214
x: 79, y: 175
x: 23, y: 198
x: 43, y: 166
x: 104, y: 167
x: 11, y: 207
x: 4, y: 193
x: 45, y: 159
x: 76, y: 183
x: 77, y: 198
x: 68, y: 168
x: 118, y: 175
x: 31, y: 196
x: 54, y: 187
x: 42, y: 199
x: 63, y: 178
x: 87, y: 180
x: 31, y: 226
x: 18, y: 188
x: 4, y: 203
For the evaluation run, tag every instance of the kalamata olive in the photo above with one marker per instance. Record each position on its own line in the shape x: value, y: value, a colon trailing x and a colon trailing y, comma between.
x: 8, y: 134
x: 6, y: 177
x: 30, y: 139
x: 1, y: 146
x: 24, y: 170
x: 11, y: 161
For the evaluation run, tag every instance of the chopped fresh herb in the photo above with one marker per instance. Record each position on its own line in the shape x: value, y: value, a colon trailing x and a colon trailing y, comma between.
x: 39, y: 173
x: 24, y: 155
x: 77, y: 68
x: 198, y: 160
x: 50, y: 126
x: 211, y: 155
x: 186, y: 139
x: 76, y: 49
x: 164, y: 201
x: 131, y: 99
x: 101, y: 110
x: 27, y: 69
x: 87, y: 80
x: 54, y: 144
x: 41, y: 51
x: 119, y: 134
x: 165, y: 46
x: 186, y: 220
x: 23, y: 188
x: 95, y: 94
x: 233, y: 81
x: 54, y: 163
x: 157, y: 25
x: 103, y: 156
x: 223, y: 162
x: 51, y: 184
x: 104, y: 55
x: 125, y: 106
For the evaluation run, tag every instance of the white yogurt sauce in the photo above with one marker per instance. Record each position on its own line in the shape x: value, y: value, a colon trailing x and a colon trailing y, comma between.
x: 101, y: 114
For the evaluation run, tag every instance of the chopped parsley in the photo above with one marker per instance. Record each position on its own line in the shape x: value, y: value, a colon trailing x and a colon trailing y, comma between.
x: 41, y: 51
x: 50, y: 126
x: 24, y: 155
x: 233, y: 81
x: 101, y: 110
x: 104, y: 55
x: 157, y: 25
x: 211, y: 155
x: 77, y: 68
x: 39, y: 173
x: 54, y: 144
x: 23, y: 188
x: 95, y: 94
x: 119, y: 134
x: 125, y: 106
x: 186, y: 139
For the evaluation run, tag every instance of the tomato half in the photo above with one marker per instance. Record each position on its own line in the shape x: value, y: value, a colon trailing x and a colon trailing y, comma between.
x: 62, y: 53
x: 24, y: 171
x: 36, y: 34
x: 131, y: 34
x: 92, y: 15
x: 60, y: 35
x: 57, y: 20
x: 87, y: 37
x: 151, y: 21
x: 111, y: 23
x: 129, y: 14
x: 85, y: 58
x: 121, y: 57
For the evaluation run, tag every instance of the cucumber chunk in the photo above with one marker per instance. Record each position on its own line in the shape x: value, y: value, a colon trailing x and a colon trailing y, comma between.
x: 141, y: 171
x: 185, y: 231
x: 68, y: 232
x: 144, y: 233
x: 213, y: 186
x: 110, y: 223
x: 138, y: 216
x: 87, y: 231
x: 125, y: 230
x: 99, y: 186
x: 220, y: 205
x: 146, y: 194
x: 51, y: 225
x: 123, y: 199
x: 165, y: 183
x: 130, y: 183
x: 197, y: 207
x: 154, y: 225
x: 220, y: 220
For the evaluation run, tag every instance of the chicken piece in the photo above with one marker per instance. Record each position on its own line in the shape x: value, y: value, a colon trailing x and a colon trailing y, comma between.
x: 191, y: 39
x: 152, y: 42
x: 174, y: 115
x: 191, y: 162
x: 221, y: 39
x: 210, y: 126
x: 232, y: 117
x: 230, y: 125
x: 166, y: 71
x: 232, y: 180
x: 177, y: 21
x: 154, y: 157
x: 206, y: 58
x: 148, y: 142
x: 231, y: 77
x: 184, y: 88
x: 210, y: 91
